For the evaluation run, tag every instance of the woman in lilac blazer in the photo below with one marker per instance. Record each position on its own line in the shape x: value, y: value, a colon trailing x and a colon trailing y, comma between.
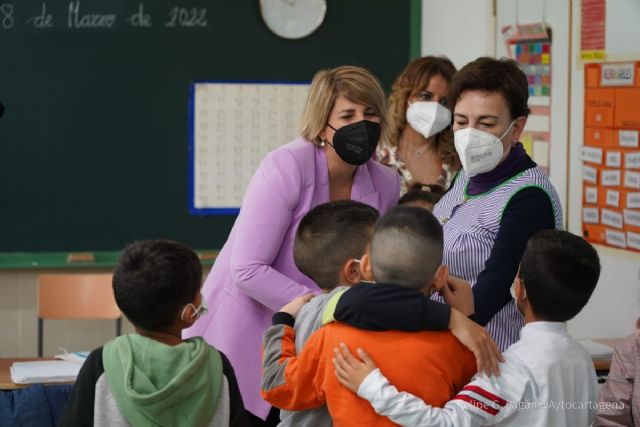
x: 254, y: 274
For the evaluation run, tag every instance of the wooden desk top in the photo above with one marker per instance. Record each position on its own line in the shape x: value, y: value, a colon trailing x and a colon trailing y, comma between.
x: 5, y: 373
x: 7, y: 384
x: 605, y: 364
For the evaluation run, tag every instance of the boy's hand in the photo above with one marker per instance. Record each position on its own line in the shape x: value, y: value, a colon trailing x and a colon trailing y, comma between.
x: 293, y: 308
x: 477, y: 339
x: 458, y: 294
x: 349, y: 370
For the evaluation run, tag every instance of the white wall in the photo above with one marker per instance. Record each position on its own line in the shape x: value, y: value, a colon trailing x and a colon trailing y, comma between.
x: 19, y: 320
x: 466, y: 29
x: 459, y: 29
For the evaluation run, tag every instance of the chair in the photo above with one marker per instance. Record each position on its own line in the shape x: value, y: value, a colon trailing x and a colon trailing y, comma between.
x: 76, y: 296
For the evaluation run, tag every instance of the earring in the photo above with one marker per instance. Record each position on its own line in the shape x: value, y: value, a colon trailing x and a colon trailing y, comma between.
x: 323, y: 143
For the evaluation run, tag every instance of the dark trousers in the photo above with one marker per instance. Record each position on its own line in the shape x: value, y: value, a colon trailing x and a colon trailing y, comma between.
x: 272, y: 420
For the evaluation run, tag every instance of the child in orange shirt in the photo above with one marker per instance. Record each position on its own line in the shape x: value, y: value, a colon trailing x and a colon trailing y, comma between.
x: 406, y: 251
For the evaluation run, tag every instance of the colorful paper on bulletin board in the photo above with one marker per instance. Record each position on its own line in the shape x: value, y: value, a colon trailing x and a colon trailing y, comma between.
x: 611, y: 155
x: 530, y: 46
x: 593, y: 30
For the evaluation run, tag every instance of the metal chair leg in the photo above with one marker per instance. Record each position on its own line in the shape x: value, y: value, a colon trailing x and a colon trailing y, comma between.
x: 40, y: 326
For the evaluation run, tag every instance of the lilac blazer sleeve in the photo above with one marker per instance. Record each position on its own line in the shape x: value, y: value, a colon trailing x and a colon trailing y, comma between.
x: 270, y: 201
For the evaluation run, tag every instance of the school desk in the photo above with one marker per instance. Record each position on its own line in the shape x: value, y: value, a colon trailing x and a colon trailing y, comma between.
x: 5, y: 372
x: 602, y: 365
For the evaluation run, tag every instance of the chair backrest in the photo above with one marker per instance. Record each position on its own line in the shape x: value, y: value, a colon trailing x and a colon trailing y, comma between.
x: 76, y: 296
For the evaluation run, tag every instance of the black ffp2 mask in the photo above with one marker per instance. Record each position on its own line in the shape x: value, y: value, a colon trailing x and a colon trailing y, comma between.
x: 356, y: 143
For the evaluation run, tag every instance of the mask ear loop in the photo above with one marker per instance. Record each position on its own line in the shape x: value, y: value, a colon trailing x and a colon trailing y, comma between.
x: 507, y: 131
x: 326, y: 141
x: 195, y: 311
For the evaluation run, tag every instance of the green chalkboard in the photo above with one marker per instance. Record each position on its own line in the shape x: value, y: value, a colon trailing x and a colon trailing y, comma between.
x: 93, y: 142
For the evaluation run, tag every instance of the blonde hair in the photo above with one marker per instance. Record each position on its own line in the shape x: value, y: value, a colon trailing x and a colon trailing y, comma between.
x: 354, y: 83
x: 414, y: 78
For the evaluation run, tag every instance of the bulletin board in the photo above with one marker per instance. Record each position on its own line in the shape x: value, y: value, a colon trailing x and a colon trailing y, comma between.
x: 530, y: 46
x: 232, y: 128
x: 611, y: 155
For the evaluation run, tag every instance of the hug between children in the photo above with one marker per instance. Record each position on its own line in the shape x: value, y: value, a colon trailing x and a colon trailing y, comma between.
x: 401, y: 374
x: 410, y: 377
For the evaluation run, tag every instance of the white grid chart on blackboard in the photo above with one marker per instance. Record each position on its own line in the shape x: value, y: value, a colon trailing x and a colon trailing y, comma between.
x: 233, y: 127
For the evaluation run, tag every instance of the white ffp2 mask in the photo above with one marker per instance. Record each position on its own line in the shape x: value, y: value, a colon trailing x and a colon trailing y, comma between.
x: 428, y: 118
x: 479, y: 151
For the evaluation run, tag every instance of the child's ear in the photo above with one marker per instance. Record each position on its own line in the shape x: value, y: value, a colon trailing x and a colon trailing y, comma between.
x: 365, y: 268
x: 351, y: 272
x: 519, y: 290
x: 440, y: 278
x: 187, y: 315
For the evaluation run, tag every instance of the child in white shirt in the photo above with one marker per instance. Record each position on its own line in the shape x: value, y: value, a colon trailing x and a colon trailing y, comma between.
x: 547, y: 378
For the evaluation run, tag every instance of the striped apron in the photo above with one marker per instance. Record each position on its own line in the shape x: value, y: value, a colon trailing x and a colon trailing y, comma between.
x: 471, y: 224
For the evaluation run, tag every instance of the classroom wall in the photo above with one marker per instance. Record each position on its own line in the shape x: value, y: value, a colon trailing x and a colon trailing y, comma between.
x: 459, y: 29
x: 556, y: 14
x: 19, y: 331
x: 615, y: 304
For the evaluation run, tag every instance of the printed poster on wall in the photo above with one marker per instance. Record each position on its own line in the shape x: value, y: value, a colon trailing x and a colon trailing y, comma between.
x: 593, y: 30
x: 530, y: 46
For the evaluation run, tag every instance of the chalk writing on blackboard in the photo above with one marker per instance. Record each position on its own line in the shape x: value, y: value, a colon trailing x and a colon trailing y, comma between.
x: 76, y: 19
x: 43, y: 19
x: 140, y: 19
x: 77, y: 16
x: 6, y: 10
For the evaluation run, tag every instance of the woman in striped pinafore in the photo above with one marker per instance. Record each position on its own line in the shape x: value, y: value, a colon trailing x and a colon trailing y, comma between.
x: 500, y: 198
x: 496, y: 203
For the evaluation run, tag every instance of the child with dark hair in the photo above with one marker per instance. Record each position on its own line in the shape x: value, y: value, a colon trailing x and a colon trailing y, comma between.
x: 406, y: 251
x: 547, y: 378
x: 336, y: 233
x: 329, y: 244
x: 422, y: 195
x: 153, y: 377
